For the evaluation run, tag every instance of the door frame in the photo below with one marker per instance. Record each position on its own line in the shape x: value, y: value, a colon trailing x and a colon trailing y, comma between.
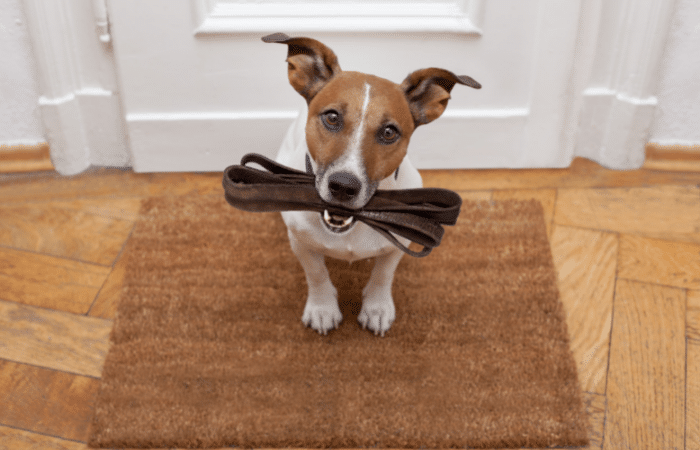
x: 79, y: 100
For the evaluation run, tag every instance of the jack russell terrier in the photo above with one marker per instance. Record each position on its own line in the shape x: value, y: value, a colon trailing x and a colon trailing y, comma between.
x: 353, y: 135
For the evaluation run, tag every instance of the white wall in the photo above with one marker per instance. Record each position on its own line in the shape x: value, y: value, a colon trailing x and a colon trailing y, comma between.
x: 677, y: 118
x: 20, y: 121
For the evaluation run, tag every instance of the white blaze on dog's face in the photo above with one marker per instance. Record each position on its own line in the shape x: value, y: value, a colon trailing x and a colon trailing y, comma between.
x: 357, y: 131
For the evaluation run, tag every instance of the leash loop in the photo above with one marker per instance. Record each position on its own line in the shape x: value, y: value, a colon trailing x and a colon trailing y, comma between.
x: 415, y: 214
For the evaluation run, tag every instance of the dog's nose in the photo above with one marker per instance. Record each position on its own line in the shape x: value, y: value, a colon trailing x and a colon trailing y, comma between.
x: 344, y: 186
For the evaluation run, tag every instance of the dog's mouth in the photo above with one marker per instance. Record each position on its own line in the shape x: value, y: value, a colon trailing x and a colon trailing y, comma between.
x: 337, y: 223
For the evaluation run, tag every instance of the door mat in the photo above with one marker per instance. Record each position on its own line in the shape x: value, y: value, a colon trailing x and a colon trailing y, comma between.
x: 208, y: 348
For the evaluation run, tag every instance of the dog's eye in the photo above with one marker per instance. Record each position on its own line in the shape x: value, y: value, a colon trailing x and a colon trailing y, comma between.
x: 388, y: 135
x: 332, y: 120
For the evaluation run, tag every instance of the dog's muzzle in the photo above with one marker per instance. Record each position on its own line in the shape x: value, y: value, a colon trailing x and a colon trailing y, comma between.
x: 343, y: 187
x: 337, y: 223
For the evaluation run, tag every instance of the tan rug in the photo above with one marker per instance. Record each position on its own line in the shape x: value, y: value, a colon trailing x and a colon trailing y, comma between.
x: 208, y: 348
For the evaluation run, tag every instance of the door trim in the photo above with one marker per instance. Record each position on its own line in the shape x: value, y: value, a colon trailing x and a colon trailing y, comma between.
x: 80, y: 109
x: 216, y: 17
x: 615, y: 109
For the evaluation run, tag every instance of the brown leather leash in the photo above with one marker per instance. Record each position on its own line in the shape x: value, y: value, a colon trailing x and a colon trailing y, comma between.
x: 415, y: 214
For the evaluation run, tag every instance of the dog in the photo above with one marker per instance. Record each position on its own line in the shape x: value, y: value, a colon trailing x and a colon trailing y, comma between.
x: 353, y: 135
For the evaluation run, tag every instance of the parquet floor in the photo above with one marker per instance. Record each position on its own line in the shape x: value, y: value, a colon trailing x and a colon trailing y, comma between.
x: 626, y: 246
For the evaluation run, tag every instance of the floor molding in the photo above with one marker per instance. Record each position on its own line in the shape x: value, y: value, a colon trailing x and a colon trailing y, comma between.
x: 676, y: 158
x: 25, y: 158
x: 37, y: 158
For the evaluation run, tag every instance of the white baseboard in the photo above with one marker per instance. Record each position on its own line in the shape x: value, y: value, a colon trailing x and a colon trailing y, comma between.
x: 212, y: 141
x: 203, y: 142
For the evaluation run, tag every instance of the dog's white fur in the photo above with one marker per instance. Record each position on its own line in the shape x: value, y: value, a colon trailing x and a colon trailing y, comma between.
x: 311, y: 241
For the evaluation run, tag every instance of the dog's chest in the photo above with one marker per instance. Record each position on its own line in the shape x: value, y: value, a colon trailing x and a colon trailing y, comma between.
x: 360, y: 242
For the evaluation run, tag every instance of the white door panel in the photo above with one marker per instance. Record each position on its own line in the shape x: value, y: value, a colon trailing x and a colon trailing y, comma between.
x: 200, y: 89
x: 358, y: 16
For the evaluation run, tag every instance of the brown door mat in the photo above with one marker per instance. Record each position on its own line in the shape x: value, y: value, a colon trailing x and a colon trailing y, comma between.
x: 208, y: 348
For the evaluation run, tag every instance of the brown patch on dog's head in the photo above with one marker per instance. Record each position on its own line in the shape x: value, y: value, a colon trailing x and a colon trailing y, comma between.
x: 428, y: 91
x: 310, y: 64
x: 386, y: 128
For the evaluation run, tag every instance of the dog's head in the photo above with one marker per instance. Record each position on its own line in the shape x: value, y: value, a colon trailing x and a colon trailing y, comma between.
x: 359, y: 125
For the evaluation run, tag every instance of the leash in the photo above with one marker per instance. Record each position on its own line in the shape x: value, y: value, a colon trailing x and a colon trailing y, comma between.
x: 415, y: 214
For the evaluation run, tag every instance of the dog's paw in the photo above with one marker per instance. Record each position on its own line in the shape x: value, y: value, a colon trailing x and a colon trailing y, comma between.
x: 322, y: 318
x: 377, y: 315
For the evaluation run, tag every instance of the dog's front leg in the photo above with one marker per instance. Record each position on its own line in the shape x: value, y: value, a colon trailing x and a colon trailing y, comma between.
x: 321, y: 311
x: 378, y: 311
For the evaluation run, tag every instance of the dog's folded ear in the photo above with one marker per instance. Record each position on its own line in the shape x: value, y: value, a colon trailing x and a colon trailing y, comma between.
x: 310, y: 63
x: 428, y: 91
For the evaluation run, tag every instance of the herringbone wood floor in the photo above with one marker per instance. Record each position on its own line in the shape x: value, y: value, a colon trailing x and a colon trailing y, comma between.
x: 626, y: 246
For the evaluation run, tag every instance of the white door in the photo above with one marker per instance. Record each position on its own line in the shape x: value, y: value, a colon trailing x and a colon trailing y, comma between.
x: 200, y: 89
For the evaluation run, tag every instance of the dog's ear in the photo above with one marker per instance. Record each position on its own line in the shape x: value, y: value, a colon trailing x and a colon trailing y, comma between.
x: 310, y: 63
x: 428, y: 91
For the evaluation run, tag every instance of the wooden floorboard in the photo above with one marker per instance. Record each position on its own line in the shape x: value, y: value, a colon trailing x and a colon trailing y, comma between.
x: 53, y: 339
x: 582, y: 174
x: 586, y: 261
x: 85, y: 230
x: 107, y: 300
x: 49, y: 282
x: 661, y: 262
x: 626, y: 246
x: 693, y: 396
x: 46, y: 401
x: 107, y: 184
x: 17, y: 439
x: 693, y: 315
x: 595, y: 406
x: 667, y: 212
x: 646, y: 380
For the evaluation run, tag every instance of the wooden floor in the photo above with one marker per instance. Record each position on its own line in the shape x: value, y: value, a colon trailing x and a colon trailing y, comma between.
x: 626, y: 246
